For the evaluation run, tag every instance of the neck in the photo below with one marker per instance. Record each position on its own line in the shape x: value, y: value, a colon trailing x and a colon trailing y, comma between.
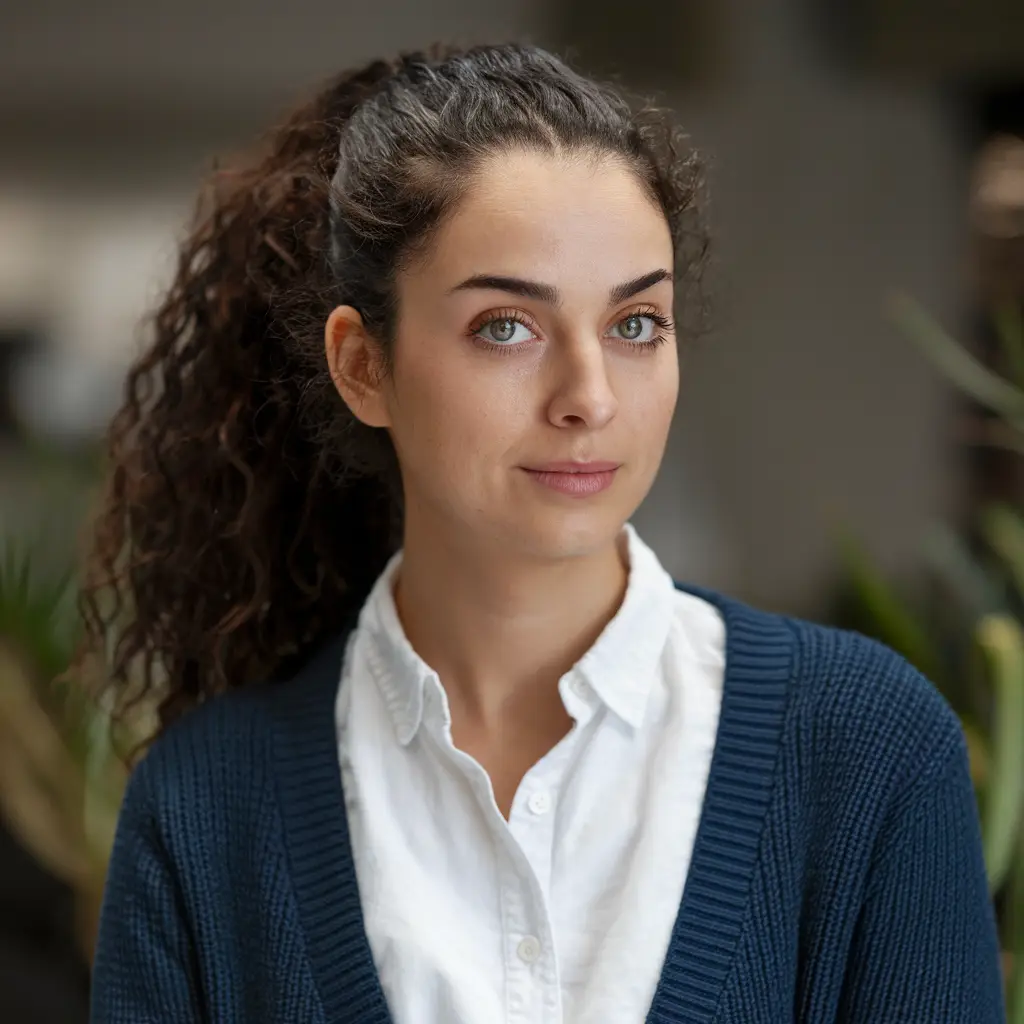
x: 506, y: 628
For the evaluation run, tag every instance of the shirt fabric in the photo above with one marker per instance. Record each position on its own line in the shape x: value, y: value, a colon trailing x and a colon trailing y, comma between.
x: 836, y: 876
x: 564, y: 912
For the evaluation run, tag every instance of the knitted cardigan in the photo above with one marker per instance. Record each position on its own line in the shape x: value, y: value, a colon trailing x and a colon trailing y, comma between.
x: 836, y: 876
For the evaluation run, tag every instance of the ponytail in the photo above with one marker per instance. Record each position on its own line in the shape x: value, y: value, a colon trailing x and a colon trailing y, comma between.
x: 229, y: 533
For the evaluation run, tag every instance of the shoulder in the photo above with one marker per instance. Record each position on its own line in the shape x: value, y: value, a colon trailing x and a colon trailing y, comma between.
x: 229, y: 747
x: 873, y: 731
x: 857, y: 692
x: 856, y: 711
x: 213, y: 751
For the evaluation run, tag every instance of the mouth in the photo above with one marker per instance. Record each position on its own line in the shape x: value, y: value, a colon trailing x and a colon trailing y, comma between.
x: 576, y: 479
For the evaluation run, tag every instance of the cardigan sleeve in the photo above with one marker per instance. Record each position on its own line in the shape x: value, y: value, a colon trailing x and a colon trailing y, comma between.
x: 144, y: 968
x: 925, y: 948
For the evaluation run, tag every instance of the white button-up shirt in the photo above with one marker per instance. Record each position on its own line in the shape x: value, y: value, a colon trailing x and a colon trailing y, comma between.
x: 562, y: 913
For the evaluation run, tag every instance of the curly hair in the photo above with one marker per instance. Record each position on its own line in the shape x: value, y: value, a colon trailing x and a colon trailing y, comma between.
x: 247, y: 512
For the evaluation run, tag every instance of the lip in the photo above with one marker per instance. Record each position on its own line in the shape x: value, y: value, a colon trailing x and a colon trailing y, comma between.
x: 574, y: 467
x: 575, y: 479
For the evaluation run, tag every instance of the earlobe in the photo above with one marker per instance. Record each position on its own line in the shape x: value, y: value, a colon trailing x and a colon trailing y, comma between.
x: 353, y: 360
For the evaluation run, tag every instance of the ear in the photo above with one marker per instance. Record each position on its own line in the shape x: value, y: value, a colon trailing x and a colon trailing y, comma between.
x: 356, y: 367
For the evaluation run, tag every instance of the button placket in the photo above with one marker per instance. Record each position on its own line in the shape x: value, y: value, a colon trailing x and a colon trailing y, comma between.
x: 531, y: 972
x: 531, y: 963
x: 532, y: 820
x: 531, y: 975
x: 521, y: 997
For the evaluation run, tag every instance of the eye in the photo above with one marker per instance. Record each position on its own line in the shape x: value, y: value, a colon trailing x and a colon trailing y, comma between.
x: 504, y: 331
x: 636, y: 328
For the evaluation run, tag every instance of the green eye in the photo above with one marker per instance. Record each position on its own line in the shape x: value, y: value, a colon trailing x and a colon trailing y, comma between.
x: 637, y: 328
x: 632, y: 327
x: 503, y: 331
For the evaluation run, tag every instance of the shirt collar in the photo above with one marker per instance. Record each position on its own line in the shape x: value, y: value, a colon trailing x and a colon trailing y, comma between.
x: 400, y: 673
x: 620, y: 666
x: 622, y: 663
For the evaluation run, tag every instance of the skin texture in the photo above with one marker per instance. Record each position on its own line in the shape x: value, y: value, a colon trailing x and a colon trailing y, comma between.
x: 530, y: 576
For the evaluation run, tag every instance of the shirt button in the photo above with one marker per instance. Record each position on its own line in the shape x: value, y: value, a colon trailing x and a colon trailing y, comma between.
x: 539, y: 803
x: 580, y: 688
x: 529, y: 949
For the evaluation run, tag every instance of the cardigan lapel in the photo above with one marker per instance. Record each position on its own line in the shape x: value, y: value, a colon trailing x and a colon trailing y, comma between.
x: 317, y: 838
x: 758, y: 670
x: 702, y: 948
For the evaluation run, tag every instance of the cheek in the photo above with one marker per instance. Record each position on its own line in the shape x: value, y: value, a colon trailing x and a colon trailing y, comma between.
x: 649, y: 399
x: 447, y: 416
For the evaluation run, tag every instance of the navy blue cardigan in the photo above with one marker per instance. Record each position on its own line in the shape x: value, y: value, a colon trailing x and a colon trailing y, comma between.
x: 837, y: 874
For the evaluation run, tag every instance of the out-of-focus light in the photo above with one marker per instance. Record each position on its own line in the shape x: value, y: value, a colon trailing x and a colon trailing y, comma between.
x: 997, y: 200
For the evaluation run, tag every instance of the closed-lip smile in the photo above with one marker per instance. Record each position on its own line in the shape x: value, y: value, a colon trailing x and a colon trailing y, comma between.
x: 574, y: 479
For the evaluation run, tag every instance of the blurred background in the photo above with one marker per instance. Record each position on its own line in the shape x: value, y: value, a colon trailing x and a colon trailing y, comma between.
x: 837, y: 454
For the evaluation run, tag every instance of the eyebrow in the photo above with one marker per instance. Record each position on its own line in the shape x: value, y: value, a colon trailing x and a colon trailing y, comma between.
x: 549, y: 294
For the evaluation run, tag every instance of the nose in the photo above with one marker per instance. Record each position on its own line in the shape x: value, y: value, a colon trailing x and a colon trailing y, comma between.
x: 583, y: 393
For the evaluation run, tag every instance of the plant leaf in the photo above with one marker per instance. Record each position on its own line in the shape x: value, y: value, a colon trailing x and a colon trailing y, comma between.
x: 1002, y: 640
x: 40, y: 787
x: 954, y: 361
x: 1015, y: 991
x: 36, y: 607
x: 1009, y: 328
x: 965, y: 578
x: 896, y: 625
x: 1003, y: 528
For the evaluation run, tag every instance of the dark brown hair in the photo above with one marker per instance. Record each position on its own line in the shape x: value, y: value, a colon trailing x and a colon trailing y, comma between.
x: 247, y: 512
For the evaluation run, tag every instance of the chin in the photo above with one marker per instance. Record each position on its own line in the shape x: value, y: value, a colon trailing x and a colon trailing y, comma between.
x: 560, y: 534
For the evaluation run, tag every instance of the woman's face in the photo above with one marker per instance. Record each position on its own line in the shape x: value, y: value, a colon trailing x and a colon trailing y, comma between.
x: 535, y: 333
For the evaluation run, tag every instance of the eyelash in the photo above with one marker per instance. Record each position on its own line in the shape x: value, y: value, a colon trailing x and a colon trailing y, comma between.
x: 663, y: 323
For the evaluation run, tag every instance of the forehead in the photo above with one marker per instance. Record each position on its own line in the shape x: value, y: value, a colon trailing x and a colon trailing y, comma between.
x: 555, y: 217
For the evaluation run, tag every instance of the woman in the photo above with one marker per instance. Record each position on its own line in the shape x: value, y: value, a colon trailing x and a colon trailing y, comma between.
x: 441, y: 740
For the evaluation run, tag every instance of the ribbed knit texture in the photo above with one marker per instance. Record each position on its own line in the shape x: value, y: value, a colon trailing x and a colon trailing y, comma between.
x: 837, y: 873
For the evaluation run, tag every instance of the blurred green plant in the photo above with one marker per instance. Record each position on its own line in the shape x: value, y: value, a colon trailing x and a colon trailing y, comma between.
x: 964, y: 629
x: 61, y: 774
